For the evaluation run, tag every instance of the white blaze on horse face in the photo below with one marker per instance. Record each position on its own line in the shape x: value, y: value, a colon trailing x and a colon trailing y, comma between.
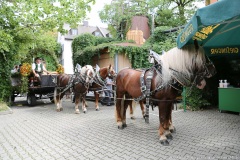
x: 203, y: 84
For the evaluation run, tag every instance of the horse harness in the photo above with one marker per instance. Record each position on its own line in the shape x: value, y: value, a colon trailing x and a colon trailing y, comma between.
x: 99, y: 80
x: 145, y: 88
x: 74, y: 80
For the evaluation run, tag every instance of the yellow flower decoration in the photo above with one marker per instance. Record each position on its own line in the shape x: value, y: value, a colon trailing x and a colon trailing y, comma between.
x: 60, y: 69
x: 26, y: 69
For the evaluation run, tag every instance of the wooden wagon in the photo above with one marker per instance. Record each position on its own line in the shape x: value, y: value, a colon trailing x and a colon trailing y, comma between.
x: 36, y: 90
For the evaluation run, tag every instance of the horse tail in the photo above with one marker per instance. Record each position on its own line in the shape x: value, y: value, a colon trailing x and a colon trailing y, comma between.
x: 122, y: 105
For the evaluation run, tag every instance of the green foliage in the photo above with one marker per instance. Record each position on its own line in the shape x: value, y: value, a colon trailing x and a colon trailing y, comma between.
x: 161, y: 41
x: 174, y: 13
x: 83, y: 41
x: 47, y: 56
x: 22, y: 24
x: 170, y: 13
x: 137, y: 55
x: 5, y: 68
x: 89, y: 41
x: 58, y: 50
x: 118, y: 21
x: 195, y: 99
x: 24, y: 84
x: 101, y: 40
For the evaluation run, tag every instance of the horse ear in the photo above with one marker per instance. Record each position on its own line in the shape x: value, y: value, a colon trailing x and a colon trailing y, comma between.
x: 109, y: 66
x: 97, y: 68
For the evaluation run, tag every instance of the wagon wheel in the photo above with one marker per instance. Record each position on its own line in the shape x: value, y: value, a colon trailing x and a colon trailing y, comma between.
x: 12, y: 98
x: 31, y: 99
x: 51, y: 99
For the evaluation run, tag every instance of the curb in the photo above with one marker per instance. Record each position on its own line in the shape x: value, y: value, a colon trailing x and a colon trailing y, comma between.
x: 8, y: 111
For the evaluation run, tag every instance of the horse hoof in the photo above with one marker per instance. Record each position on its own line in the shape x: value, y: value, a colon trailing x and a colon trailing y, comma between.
x: 120, y: 127
x: 84, y: 112
x: 77, y: 112
x: 173, y: 130
x: 169, y: 136
x: 58, y: 110
x: 164, y: 142
x: 133, y: 117
x: 124, y: 125
x: 97, y: 109
x: 61, y: 109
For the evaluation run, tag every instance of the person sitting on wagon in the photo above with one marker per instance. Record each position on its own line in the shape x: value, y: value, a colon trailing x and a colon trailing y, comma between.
x: 38, y: 68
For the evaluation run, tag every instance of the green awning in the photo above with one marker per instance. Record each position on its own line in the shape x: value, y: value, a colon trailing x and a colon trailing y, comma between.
x: 216, y: 27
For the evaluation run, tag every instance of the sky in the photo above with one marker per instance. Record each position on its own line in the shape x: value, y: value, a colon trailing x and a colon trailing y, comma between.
x: 93, y: 17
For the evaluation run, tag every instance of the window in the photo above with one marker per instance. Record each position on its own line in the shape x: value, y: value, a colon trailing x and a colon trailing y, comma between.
x: 73, y: 32
x: 98, y: 34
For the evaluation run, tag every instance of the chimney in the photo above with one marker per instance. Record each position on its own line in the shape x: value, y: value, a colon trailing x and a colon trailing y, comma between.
x: 85, y: 23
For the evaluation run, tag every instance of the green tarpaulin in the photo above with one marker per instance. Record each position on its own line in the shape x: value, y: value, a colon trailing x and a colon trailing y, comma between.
x: 216, y: 27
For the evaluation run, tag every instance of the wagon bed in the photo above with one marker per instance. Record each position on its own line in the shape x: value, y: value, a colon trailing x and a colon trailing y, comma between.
x: 35, y: 89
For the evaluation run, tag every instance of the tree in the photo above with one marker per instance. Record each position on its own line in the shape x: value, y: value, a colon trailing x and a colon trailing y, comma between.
x: 21, y: 21
x: 174, y: 13
x: 171, y: 13
x: 118, y: 15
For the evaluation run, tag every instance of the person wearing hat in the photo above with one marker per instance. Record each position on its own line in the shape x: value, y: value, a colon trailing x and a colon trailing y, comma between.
x: 38, y: 68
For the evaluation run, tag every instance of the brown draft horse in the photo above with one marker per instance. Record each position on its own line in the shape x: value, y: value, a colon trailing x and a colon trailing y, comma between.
x: 99, y: 81
x: 79, y: 84
x: 187, y: 66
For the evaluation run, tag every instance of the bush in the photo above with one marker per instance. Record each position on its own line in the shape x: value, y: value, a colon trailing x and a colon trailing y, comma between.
x: 195, y: 99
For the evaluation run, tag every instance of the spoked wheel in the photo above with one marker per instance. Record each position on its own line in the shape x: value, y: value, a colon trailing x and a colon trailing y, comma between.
x: 12, y: 98
x: 31, y: 99
x: 51, y: 99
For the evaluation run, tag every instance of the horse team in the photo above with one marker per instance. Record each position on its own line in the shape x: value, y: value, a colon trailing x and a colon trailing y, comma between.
x: 158, y: 85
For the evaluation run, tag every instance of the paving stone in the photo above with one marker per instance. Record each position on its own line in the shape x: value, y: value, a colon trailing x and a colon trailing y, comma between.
x: 42, y: 133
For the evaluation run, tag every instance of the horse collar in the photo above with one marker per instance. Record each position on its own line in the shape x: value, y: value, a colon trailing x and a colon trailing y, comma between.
x: 99, y: 80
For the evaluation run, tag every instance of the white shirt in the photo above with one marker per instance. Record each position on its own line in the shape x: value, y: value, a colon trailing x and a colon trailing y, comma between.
x: 39, y: 67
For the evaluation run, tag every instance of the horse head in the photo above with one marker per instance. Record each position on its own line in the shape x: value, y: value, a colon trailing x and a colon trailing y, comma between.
x: 207, y: 70
x: 188, y: 65
x: 88, y: 72
x: 111, y: 72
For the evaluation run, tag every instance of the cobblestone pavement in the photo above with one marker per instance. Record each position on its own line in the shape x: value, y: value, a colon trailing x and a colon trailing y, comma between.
x: 42, y: 133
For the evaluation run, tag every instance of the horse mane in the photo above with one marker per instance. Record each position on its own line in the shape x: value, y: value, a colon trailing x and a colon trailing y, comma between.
x: 185, y: 61
x: 85, y: 68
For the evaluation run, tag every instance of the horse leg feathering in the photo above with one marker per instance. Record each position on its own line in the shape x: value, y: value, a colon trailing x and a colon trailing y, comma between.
x: 84, y: 105
x: 57, y: 100
x: 77, y: 100
x: 131, y: 110
x: 120, y: 112
x: 96, y: 100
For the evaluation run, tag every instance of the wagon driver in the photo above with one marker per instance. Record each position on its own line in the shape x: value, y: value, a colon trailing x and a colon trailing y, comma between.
x: 38, y: 68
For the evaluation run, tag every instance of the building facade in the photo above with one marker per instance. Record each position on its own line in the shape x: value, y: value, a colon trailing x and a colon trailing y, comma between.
x: 66, y: 42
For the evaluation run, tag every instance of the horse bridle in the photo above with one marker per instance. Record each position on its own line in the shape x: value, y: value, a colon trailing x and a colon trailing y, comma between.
x: 110, y: 75
x: 101, y: 81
